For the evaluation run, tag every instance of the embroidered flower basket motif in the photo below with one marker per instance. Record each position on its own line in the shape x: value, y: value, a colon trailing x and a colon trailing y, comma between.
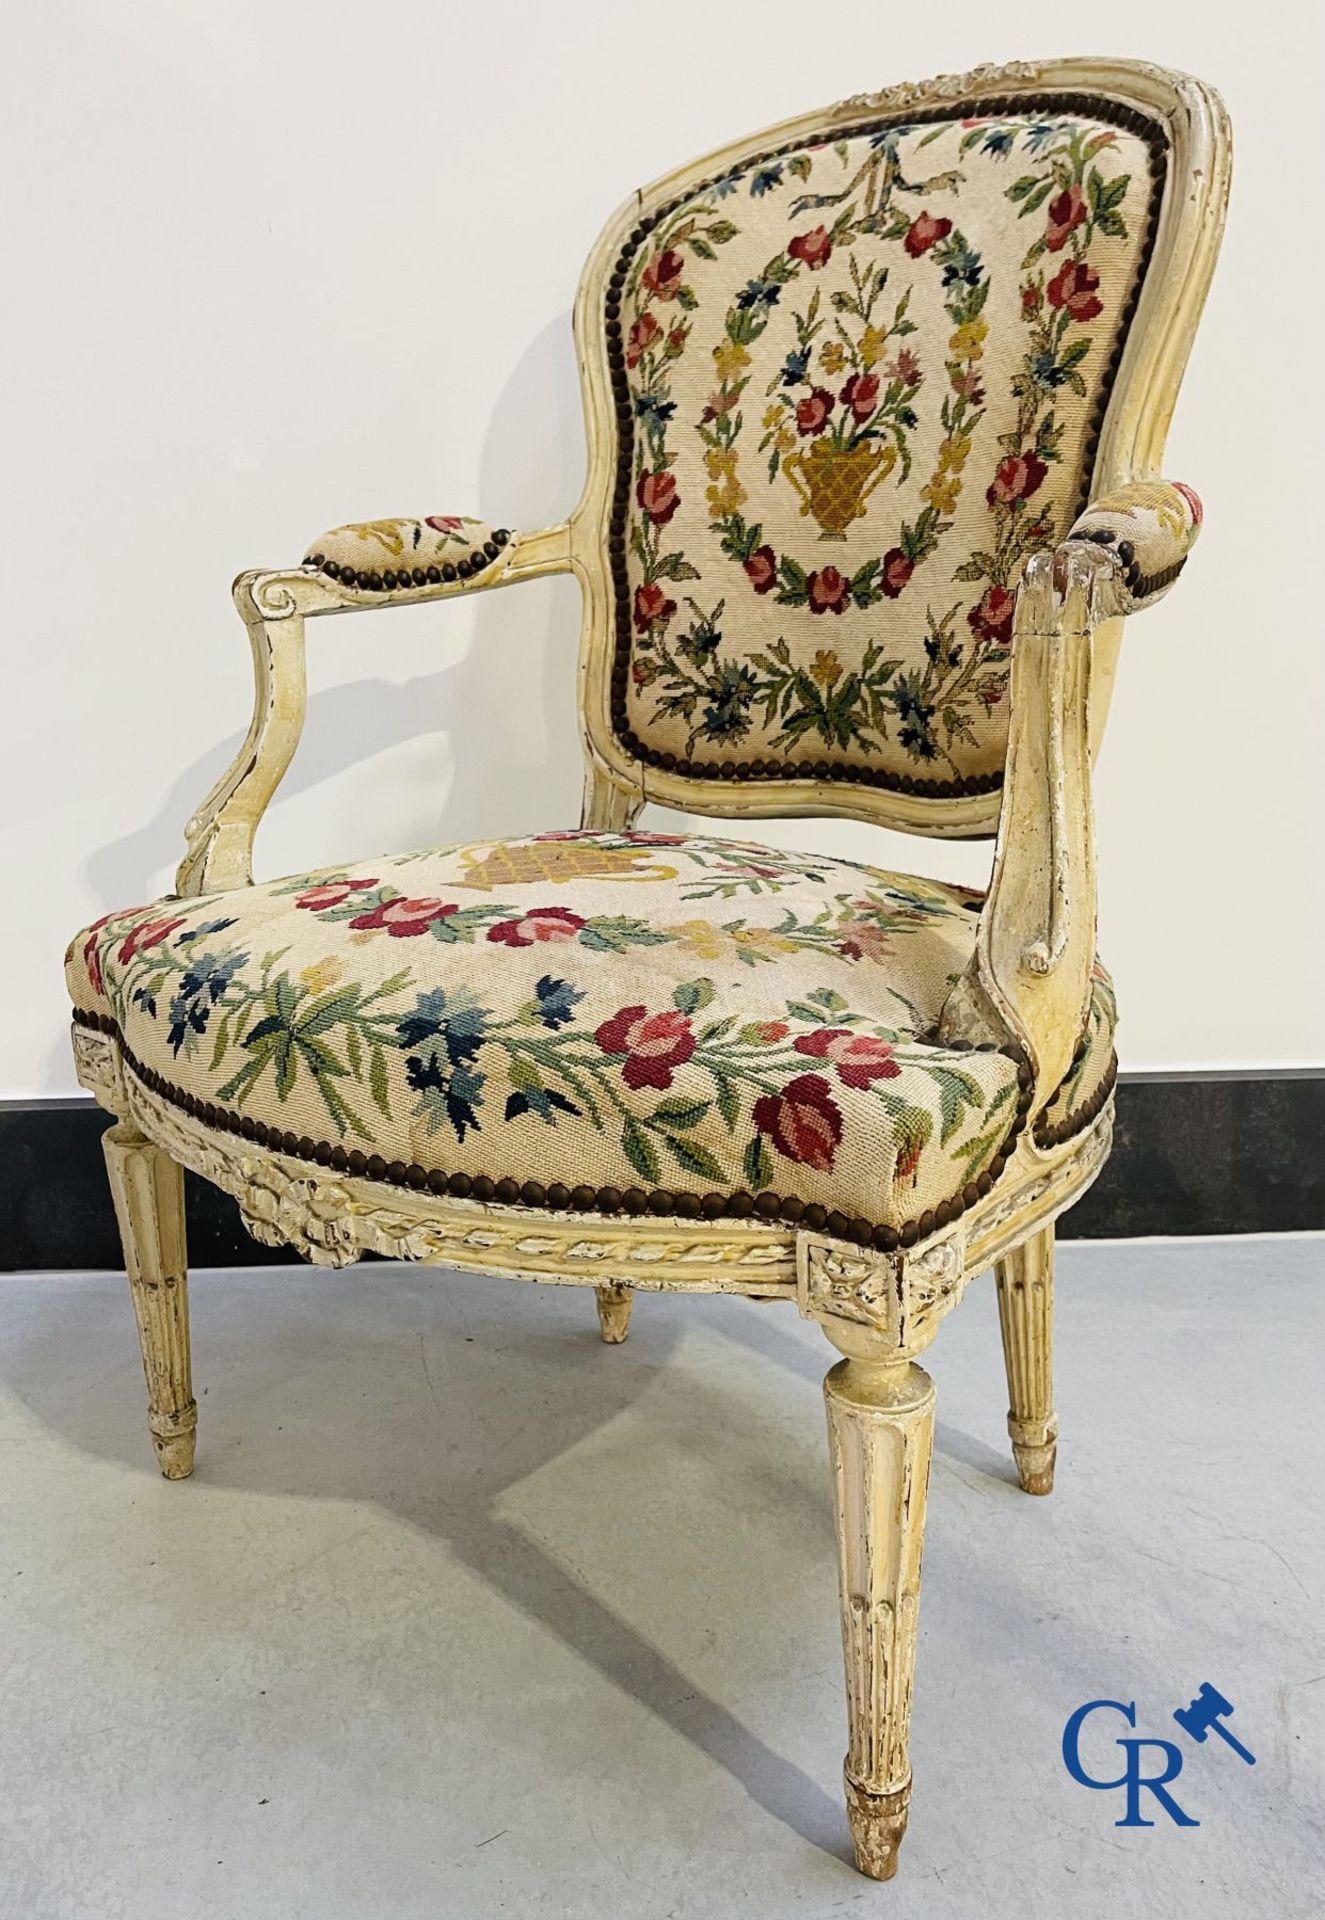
x: 862, y: 382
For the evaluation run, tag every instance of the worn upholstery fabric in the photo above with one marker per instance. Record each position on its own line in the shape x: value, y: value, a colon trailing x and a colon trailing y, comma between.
x: 389, y: 553
x: 1148, y: 528
x: 630, y: 1011
x: 859, y: 385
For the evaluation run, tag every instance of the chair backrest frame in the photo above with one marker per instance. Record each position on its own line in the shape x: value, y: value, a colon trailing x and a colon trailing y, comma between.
x: 1143, y: 392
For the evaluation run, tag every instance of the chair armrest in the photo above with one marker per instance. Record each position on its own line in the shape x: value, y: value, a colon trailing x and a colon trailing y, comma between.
x: 1028, y: 980
x: 1146, y: 529
x: 397, y: 556
x: 370, y: 564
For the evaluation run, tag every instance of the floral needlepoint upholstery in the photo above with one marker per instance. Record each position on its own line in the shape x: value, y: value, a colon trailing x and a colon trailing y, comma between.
x: 1148, y: 528
x: 587, y: 1019
x: 392, y: 554
x: 859, y: 383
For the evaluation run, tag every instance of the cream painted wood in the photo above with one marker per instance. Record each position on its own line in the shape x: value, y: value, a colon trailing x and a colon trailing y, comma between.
x: 1027, y: 983
x: 880, y: 1433
x: 148, y: 1190
x: 615, y: 1301
x: 1025, y: 1283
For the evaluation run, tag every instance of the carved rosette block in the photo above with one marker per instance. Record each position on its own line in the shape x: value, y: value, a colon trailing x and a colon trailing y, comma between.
x: 147, y: 1187
x: 902, y: 1296
x: 1025, y: 1282
x: 614, y: 1304
x: 880, y: 1433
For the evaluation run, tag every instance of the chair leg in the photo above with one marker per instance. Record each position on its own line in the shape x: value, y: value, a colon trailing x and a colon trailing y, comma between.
x: 1025, y: 1282
x: 148, y: 1190
x: 880, y: 1431
x: 614, y: 1304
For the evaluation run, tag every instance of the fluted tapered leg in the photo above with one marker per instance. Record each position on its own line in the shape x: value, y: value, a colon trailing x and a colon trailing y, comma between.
x: 614, y: 1304
x: 1025, y: 1282
x: 880, y: 1431
x: 148, y: 1190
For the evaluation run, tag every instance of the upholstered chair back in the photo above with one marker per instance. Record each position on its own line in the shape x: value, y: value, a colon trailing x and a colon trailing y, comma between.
x: 858, y: 378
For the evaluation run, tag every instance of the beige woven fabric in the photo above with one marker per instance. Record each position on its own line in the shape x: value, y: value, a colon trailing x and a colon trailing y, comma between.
x: 863, y: 381
x: 631, y: 1011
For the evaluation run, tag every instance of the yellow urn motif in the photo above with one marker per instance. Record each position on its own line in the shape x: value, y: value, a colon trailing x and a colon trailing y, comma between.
x: 833, y: 483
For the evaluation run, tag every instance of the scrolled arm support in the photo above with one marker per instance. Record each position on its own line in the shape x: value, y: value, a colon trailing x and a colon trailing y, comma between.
x: 274, y: 606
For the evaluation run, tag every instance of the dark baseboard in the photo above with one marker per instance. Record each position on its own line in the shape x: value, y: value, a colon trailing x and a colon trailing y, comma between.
x: 1193, y: 1153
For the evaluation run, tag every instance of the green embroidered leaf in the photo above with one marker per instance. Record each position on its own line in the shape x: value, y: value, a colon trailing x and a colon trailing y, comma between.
x: 1020, y: 188
x: 354, y: 1052
x: 692, y: 995
x: 957, y: 1091
x: 638, y: 1149
x: 722, y: 231
x: 729, y: 1100
x: 221, y: 1042
x: 524, y: 1074
x: 758, y: 1164
x: 694, y: 1158
x: 680, y: 1113
x: 613, y: 933
x: 377, y: 1084
x: 674, y: 566
x: 826, y: 998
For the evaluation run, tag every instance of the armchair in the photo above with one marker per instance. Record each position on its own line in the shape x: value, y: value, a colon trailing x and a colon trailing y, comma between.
x: 874, y: 405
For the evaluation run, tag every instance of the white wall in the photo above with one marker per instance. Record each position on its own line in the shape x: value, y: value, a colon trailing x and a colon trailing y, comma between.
x: 287, y: 263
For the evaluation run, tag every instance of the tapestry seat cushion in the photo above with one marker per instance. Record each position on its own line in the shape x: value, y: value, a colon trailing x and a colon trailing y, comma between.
x: 600, y: 1021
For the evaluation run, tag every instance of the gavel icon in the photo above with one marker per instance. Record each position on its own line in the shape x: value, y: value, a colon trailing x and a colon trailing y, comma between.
x: 1205, y: 1713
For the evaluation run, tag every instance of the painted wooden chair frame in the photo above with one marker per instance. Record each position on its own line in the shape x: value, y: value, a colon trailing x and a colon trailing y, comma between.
x: 1035, y: 949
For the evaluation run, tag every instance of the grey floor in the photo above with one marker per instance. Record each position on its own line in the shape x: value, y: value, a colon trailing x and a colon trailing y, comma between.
x: 465, y: 1614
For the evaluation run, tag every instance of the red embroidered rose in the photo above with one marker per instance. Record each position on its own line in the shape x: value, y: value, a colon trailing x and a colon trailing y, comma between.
x: 1030, y: 299
x: 652, y: 608
x: 652, y: 1043
x: 858, y: 1057
x: 766, y: 1033
x: 331, y: 893
x: 861, y: 394
x: 662, y: 276
x: 828, y: 590
x: 148, y: 933
x: 444, y: 522
x: 803, y: 1121
x: 641, y: 336
x: 92, y: 953
x: 812, y: 412
x: 1193, y: 500
x: 814, y: 247
x: 1066, y: 210
x: 925, y: 233
x: 894, y: 572
x: 1073, y: 287
x: 1017, y: 477
x: 402, y: 918
x: 762, y: 569
x: 657, y: 494
x: 539, y: 924
x: 992, y: 618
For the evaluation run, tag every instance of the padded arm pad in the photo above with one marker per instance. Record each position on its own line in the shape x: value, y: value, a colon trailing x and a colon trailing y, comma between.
x: 384, y: 556
x: 1148, y: 528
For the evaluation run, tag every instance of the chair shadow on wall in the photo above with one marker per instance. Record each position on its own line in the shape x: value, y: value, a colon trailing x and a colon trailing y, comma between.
x: 465, y: 708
